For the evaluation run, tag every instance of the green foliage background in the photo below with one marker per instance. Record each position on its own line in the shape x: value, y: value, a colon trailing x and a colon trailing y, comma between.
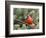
x: 21, y: 14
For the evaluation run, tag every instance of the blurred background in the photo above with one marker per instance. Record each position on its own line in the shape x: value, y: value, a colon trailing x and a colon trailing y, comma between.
x: 20, y: 15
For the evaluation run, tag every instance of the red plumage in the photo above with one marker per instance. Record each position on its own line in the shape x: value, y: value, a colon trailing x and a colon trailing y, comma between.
x: 29, y: 20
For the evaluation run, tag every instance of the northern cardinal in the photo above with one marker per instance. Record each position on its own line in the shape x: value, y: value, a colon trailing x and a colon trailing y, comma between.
x: 29, y: 20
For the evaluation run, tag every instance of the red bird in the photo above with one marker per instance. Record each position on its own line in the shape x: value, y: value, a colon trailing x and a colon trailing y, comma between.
x: 29, y: 20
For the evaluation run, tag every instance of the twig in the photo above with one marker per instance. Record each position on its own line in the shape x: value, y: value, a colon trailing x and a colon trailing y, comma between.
x: 21, y: 21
